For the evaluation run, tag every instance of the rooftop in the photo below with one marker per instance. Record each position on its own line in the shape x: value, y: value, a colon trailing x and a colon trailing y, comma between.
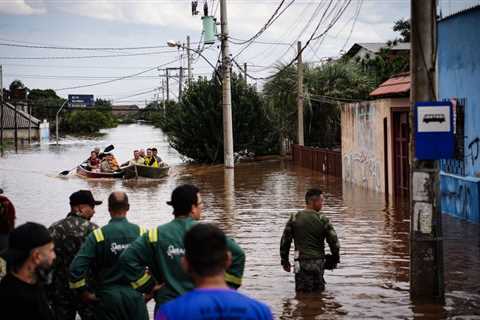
x: 398, y: 85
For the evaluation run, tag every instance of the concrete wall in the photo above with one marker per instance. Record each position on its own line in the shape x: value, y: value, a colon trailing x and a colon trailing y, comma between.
x: 363, y: 155
x: 459, y: 77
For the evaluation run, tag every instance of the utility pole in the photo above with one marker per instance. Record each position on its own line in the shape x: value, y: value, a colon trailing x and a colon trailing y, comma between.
x: 189, y: 62
x: 426, y: 247
x: 163, y: 95
x: 226, y: 88
x: 300, y: 130
x: 1, y: 111
x: 180, y: 83
x: 245, y: 71
x: 168, y: 84
x: 16, y: 128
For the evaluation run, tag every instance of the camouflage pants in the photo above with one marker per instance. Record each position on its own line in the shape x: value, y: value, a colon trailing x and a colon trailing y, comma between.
x: 309, y: 275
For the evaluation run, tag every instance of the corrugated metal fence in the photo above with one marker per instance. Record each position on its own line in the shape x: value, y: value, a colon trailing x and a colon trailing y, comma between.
x: 326, y: 161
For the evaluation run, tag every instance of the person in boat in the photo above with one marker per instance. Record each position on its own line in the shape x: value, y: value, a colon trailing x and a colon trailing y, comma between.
x: 155, y: 154
x: 109, y: 163
x: 137, y: 159
x: 150, y: 160
x: 93, y: 162
x: 141, y: 152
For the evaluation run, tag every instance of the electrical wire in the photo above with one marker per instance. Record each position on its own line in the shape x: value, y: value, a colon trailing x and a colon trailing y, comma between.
x: 117, y: 79
x: 269, y: 22
x: 86, y: 57
x: 312, y: 37
x: 80, y: 48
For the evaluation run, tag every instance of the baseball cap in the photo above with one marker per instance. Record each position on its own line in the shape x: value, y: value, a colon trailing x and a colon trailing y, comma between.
x: 24, y: 239
x: 83, y: 197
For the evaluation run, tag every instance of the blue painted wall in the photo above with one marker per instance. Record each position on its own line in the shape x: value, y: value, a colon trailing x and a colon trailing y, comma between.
x: 459, y: 77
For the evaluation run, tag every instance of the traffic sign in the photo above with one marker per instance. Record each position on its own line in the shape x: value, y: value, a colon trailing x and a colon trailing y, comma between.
x: 434, y: 137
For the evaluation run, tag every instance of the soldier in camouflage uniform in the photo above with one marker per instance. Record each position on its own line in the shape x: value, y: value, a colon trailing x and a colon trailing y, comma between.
x: 309, y: 229
x: 69, y: 235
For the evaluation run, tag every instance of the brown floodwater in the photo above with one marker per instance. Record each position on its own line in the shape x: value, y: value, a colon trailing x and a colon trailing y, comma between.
x: 252, y: 204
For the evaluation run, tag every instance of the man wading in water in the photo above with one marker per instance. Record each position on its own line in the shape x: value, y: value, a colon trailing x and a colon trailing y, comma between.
x: 309, y: 229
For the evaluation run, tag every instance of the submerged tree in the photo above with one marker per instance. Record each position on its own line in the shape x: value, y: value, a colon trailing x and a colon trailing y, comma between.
x: 194, y: 125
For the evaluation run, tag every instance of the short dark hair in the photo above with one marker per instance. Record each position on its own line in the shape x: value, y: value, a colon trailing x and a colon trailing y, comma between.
x: 154, y: 149
x: 118, y: 201
x: 206, y: 249
x: 183, y: 198
x: 312, y: 193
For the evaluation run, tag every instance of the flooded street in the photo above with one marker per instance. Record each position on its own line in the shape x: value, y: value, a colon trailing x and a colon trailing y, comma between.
x: 252, y: 205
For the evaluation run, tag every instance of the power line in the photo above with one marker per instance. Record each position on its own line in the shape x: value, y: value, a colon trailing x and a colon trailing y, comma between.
x: 80, y: 48
x: 117, y: 79
x: 86, y: 57
x: 135, y: 95
x: 266, y: 25
x: 312, y: 37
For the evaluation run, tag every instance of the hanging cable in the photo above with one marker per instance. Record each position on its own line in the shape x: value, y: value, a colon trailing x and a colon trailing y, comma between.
x: 117, y: 79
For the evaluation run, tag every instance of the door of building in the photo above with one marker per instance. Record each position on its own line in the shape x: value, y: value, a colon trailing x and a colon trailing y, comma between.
x: 401, y: 139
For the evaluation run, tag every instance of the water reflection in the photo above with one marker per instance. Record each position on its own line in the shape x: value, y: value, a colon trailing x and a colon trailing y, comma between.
x: 252, y: 203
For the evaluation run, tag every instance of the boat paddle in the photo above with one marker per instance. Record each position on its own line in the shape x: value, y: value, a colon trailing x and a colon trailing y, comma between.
x: 107, y: 149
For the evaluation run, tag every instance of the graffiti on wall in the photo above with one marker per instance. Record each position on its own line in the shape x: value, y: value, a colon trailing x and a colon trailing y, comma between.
x: 460, y: 197
x: 473, y: 148
x: 361, y: 165
x: 363, y: 169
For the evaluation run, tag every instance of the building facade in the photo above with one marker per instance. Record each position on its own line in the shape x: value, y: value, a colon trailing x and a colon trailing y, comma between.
x: 375, y: 137
x: 459, y: 79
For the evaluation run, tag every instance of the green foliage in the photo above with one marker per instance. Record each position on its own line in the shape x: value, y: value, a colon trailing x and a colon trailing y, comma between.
x: 16, y: 84
x: 194, y: 126
x: 103, y: 103
x: 44, y: 103
x: 86, y: 121
x: 324, y: 87
x: 402, y: 26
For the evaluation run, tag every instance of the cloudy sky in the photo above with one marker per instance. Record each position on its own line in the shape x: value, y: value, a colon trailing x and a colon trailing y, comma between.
x: 106, y: 25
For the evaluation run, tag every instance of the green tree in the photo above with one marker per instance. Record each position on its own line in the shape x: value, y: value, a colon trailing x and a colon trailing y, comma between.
x: 194, y: 125
x: 44, y: 103
x: 324, y: 87
x: 402, y: 26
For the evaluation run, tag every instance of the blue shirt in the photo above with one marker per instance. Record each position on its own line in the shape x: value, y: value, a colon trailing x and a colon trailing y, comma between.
x: 218, y: 304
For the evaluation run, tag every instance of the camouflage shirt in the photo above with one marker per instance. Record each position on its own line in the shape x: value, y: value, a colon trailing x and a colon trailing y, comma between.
x: 68, y: 235
x: 309, y: 230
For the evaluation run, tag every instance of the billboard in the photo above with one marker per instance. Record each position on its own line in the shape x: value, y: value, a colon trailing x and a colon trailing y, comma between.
x: 81, y: 100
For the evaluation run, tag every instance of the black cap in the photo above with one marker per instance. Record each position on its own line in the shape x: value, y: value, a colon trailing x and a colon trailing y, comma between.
x: 24, y: 239
x: 83, y: 197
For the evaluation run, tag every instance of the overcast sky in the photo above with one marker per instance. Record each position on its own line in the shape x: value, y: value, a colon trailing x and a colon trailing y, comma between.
x: 135, y: 23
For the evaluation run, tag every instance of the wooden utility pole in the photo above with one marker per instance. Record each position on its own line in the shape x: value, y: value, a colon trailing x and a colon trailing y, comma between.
x: 189, y: 62
x: 300, y: 130
x: 226, y: 87
x: 426, y: 247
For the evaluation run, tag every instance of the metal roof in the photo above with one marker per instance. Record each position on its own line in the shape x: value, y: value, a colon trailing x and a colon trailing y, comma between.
x: 398, y: 85
x: 375, y: 47
x: 22, y: 118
